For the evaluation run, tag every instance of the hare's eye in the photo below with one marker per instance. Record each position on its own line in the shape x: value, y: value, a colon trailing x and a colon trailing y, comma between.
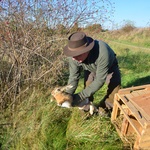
x: 58, y: 89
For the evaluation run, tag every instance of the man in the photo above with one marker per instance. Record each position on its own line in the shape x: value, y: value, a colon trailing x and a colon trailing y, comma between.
x: 100, y: 65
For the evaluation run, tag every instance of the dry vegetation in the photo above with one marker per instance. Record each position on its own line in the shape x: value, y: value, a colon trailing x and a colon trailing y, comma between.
x: 132, y: 35
x: 32, y: 35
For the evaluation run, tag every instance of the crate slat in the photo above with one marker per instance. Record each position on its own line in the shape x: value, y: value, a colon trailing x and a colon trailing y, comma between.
x: 131, y: 115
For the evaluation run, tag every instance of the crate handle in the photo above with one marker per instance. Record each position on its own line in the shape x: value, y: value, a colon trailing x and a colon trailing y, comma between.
x: 132, y: 90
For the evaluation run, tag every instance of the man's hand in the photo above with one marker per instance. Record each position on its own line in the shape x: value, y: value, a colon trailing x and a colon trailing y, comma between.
x: 76, y: 100
x: 85, y: 105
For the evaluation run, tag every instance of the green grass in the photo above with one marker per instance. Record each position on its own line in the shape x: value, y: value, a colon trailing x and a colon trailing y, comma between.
x: 39, y: 124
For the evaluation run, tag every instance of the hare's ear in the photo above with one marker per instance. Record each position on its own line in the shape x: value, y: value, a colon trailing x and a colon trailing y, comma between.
x: 56, y: 90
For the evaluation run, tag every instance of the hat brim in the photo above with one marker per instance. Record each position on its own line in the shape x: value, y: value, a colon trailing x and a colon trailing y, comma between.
x: 78, y: 51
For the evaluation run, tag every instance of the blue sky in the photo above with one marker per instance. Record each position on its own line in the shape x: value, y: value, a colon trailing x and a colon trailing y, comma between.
x: 137, y: 11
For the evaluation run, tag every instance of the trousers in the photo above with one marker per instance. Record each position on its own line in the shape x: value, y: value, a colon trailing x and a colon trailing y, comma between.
x: 113, y: 82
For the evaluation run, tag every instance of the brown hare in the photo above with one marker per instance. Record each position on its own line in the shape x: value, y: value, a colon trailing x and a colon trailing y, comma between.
x: 64, y: 99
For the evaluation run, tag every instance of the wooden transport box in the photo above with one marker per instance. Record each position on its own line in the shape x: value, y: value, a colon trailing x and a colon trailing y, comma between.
x: 131, y: 116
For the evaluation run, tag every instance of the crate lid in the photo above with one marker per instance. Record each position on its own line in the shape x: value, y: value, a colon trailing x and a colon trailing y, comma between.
x: 141, y: 100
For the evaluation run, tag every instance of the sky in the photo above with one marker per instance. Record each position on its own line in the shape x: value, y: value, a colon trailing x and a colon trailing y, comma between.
x: 136, y: 11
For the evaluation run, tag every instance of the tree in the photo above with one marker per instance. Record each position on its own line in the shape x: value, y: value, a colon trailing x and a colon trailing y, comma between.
x: 95, y: 28
x: 54, y: 12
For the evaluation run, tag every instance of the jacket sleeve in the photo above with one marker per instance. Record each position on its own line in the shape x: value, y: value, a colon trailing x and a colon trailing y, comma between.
x: 74, y: 71
x: 103, y: 63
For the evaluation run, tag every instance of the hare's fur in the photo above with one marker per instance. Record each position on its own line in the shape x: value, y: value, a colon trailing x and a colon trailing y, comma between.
x: 61, y: 96
x: 65, y: 100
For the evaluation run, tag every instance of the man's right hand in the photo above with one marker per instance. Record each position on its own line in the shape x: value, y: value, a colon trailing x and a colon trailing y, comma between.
x: 77, y: 101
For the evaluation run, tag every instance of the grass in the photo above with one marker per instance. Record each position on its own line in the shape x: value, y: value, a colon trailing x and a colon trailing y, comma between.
x: 136, y: 37
x: 41, y: 125
x: 38, y: 124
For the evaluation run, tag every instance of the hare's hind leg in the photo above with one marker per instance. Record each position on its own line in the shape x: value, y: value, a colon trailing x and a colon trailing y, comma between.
x: 93, y: 109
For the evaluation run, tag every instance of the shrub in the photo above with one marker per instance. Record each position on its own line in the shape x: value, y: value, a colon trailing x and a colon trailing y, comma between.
x: 128, y: 28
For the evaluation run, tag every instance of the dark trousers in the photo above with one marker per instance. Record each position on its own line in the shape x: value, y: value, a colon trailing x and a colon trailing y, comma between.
x: 113, y: 87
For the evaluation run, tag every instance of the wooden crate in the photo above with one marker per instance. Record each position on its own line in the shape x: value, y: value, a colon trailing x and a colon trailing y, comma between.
x: 131, y: 116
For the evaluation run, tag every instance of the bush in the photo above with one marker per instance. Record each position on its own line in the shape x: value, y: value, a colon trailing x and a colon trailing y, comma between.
x: 128, y: 28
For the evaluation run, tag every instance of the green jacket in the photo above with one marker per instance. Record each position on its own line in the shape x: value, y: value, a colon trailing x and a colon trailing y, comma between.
x: 100, y: 61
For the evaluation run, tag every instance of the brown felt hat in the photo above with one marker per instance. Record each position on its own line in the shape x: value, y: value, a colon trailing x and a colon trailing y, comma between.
x: 78, y: 43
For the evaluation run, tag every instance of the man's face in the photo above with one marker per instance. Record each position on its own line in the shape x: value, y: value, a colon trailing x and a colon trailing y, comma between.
x: 81, y: 58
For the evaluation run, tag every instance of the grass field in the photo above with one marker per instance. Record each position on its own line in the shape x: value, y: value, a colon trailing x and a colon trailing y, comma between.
x: 38, y: 124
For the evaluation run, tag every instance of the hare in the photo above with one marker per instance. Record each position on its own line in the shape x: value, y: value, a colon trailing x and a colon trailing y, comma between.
x: 65, y: 99
x: 62, y: 98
